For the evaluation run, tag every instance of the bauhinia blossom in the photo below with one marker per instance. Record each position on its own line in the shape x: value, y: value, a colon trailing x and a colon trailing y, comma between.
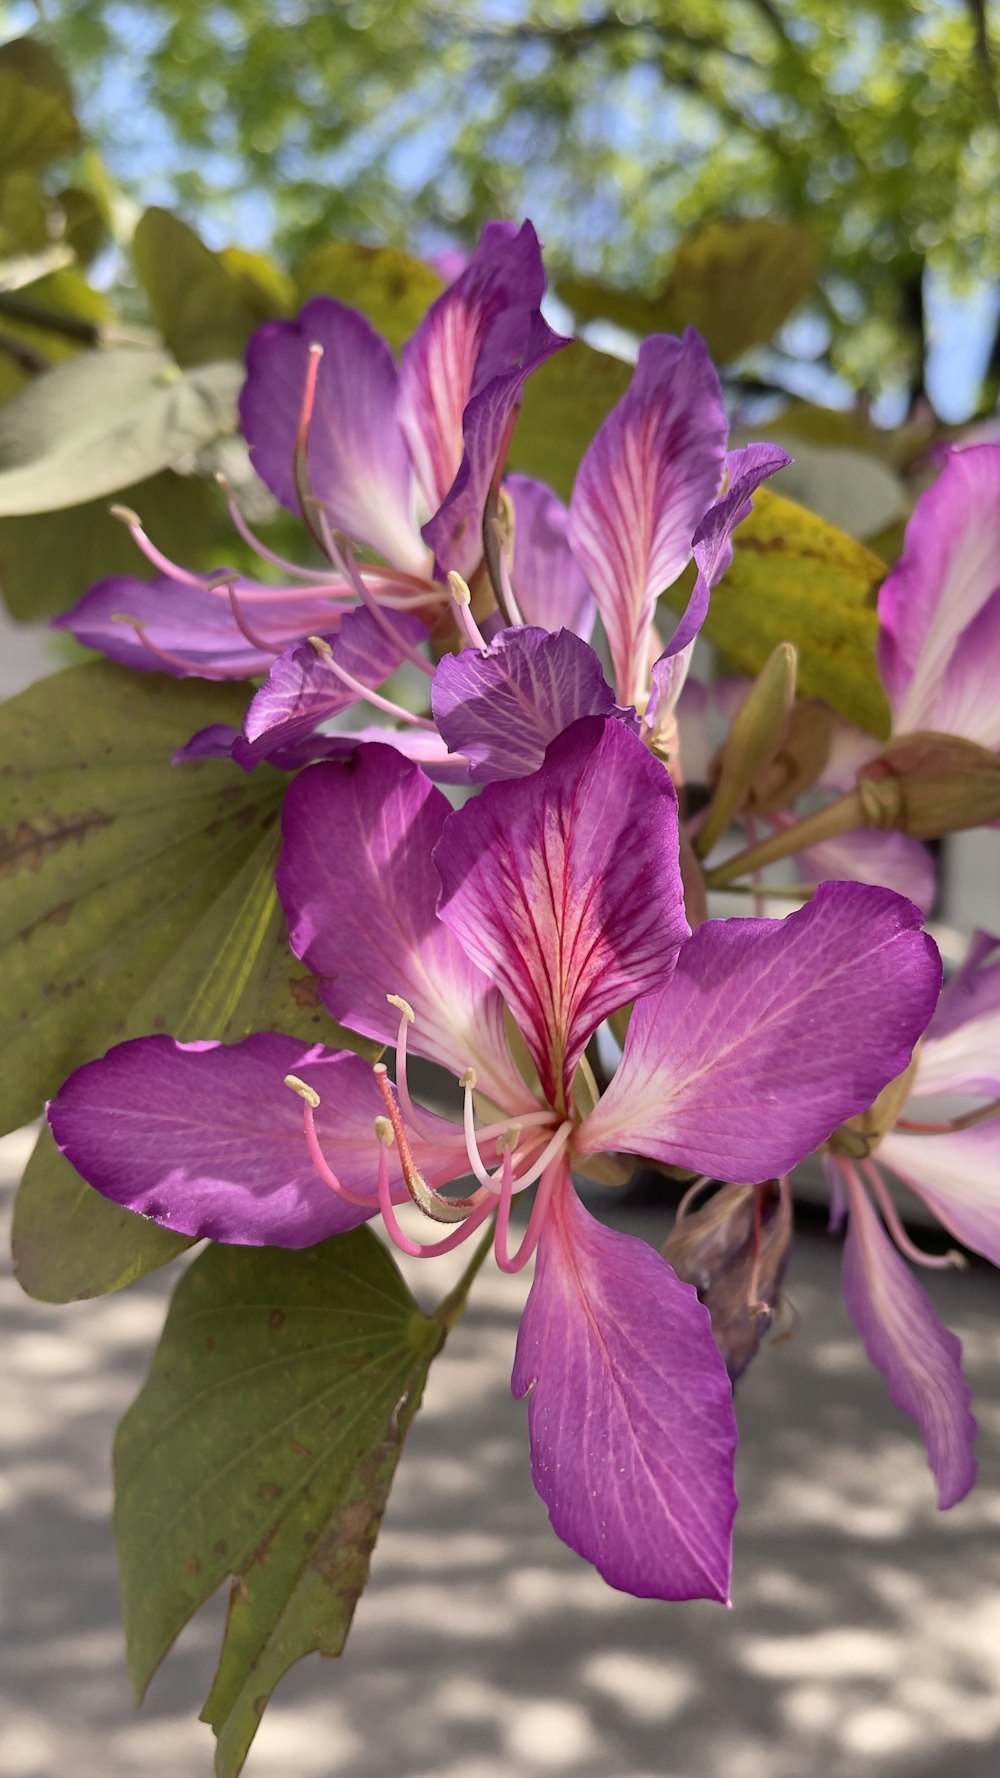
x: 557, y: 897
x: 645, y: 502
x: 953, y: 1165
x: 399, y: 459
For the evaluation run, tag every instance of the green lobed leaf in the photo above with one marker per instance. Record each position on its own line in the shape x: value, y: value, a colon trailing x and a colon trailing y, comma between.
x: 796, y: 578
x: 737, y: 280
x: 37, y: 120
x: 48, y: 560
x: 262, y: 1447
x: 135, y: 897
x: 391, y: 288
x: 564, y: 403
x: 205, y: 309
x: 104, y: 420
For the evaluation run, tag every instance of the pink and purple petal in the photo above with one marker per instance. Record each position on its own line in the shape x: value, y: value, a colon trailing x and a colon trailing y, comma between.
x: 548, y: 583
x: 206, y: 1140
x: 302, y: 689
x: 189, y: 632
x: 919, y: 1359
x: 357, y: 459
x: 865, y: 855
x: 961, y: 1050
x: 455, y: 533
x: 957, y: 1174
x: 712, y: 547
x: 948, y: 573
x: 565, y: 888
x: 357, y: 882
x: 630, y: 1414
x: 475, y: 331
x: 502, y: 708
x: 770, y: 1034
x: 642, y: 490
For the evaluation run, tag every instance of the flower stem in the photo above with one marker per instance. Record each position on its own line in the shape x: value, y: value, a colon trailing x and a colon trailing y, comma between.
x: 823, y: 824
x: 452, y: 1307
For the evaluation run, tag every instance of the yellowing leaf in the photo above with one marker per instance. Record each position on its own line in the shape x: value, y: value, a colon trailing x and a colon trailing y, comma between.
x: 202, y: 309
x: 391, y: 288
x: 564, y: 403
x: 737, y: 280
x: 796, y: 578
x: 37, y: 121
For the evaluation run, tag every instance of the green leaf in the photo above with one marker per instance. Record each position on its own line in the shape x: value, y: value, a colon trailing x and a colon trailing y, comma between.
x: 564, y: 403
x: 265, y: 288
x: 202, y: 309
x: 24, y: 215
x: 795, y: 578
x: 737, y: 280
x: 392, y: 289
x: 69, y: 1243
x: 37, y: 121
x: 48, y: 560
x: 85, y: 222
x: 263, y: 1446
x: 853, y: 489
x: 104, y: 420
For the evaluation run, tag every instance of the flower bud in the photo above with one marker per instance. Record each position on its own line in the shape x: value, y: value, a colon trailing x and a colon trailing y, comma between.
x: 801, y: 756
x: 751, y: 743
x: 927, y: 785
x: 734, y: 1251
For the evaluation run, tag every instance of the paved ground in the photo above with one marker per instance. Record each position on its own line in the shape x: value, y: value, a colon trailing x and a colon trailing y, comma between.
x: 865, y: 1636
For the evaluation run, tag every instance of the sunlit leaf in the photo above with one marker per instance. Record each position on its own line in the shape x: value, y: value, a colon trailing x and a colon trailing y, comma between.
x: 24, y: 214
x: 47, y: 560
x: 262, y: 1447
x: 265, y: 288
x: 69, y: 1243
x: 737, y: 280
x: 391, y: 288
x: 37, y: 121
x: 202, y: 310
x: 85, y: 222
x: 104, y: 420
x: 796, y: 578
x: 564, y: 403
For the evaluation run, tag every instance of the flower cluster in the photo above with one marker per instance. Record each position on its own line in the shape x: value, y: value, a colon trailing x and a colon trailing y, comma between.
x: 497, y: 938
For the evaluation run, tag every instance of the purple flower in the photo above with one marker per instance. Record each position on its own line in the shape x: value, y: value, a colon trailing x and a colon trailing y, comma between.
x: 558, y: 898
x: 939, y: 608
x: 953, y: 1166
x: 363, y: 449
x: 646, y: 500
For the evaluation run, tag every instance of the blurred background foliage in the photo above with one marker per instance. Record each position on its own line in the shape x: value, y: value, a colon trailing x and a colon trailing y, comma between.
x: 813, y: 183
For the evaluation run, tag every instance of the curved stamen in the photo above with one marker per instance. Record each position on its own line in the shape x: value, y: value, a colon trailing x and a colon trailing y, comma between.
x: 936, y: 1261
x: 310, y: 1101
x: 550, y: 1152
x: 949, y: 1126
x: 516, y: 1262
x: 419, y: 1120
x: 258, y: 545
x: 431, y: 1202
x: 300, y: 463
x: 342, y: 557
x: 173, y: 570
x: 461, y: 604
x: 244, y: 627
x: 693, y: 1190
x: 494, y: 539
x: 420, y: 1249
x: 467, y: 1082
x: 364, y: 692
x: 757, y: 1304
x: 161, y: 654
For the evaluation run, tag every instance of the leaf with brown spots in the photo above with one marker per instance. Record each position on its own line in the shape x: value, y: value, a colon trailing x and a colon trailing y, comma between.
x: 135, y: 896
x: 266, y: 1461
x: 796, y: 578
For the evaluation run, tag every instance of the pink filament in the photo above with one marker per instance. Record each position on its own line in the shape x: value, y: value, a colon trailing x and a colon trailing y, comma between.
x: 322, y: 1166
x: 516, y: 1262
x: 937, y: 1261
x: 342, y: 557
x: 247, y: 630
x: 422, y: 1249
